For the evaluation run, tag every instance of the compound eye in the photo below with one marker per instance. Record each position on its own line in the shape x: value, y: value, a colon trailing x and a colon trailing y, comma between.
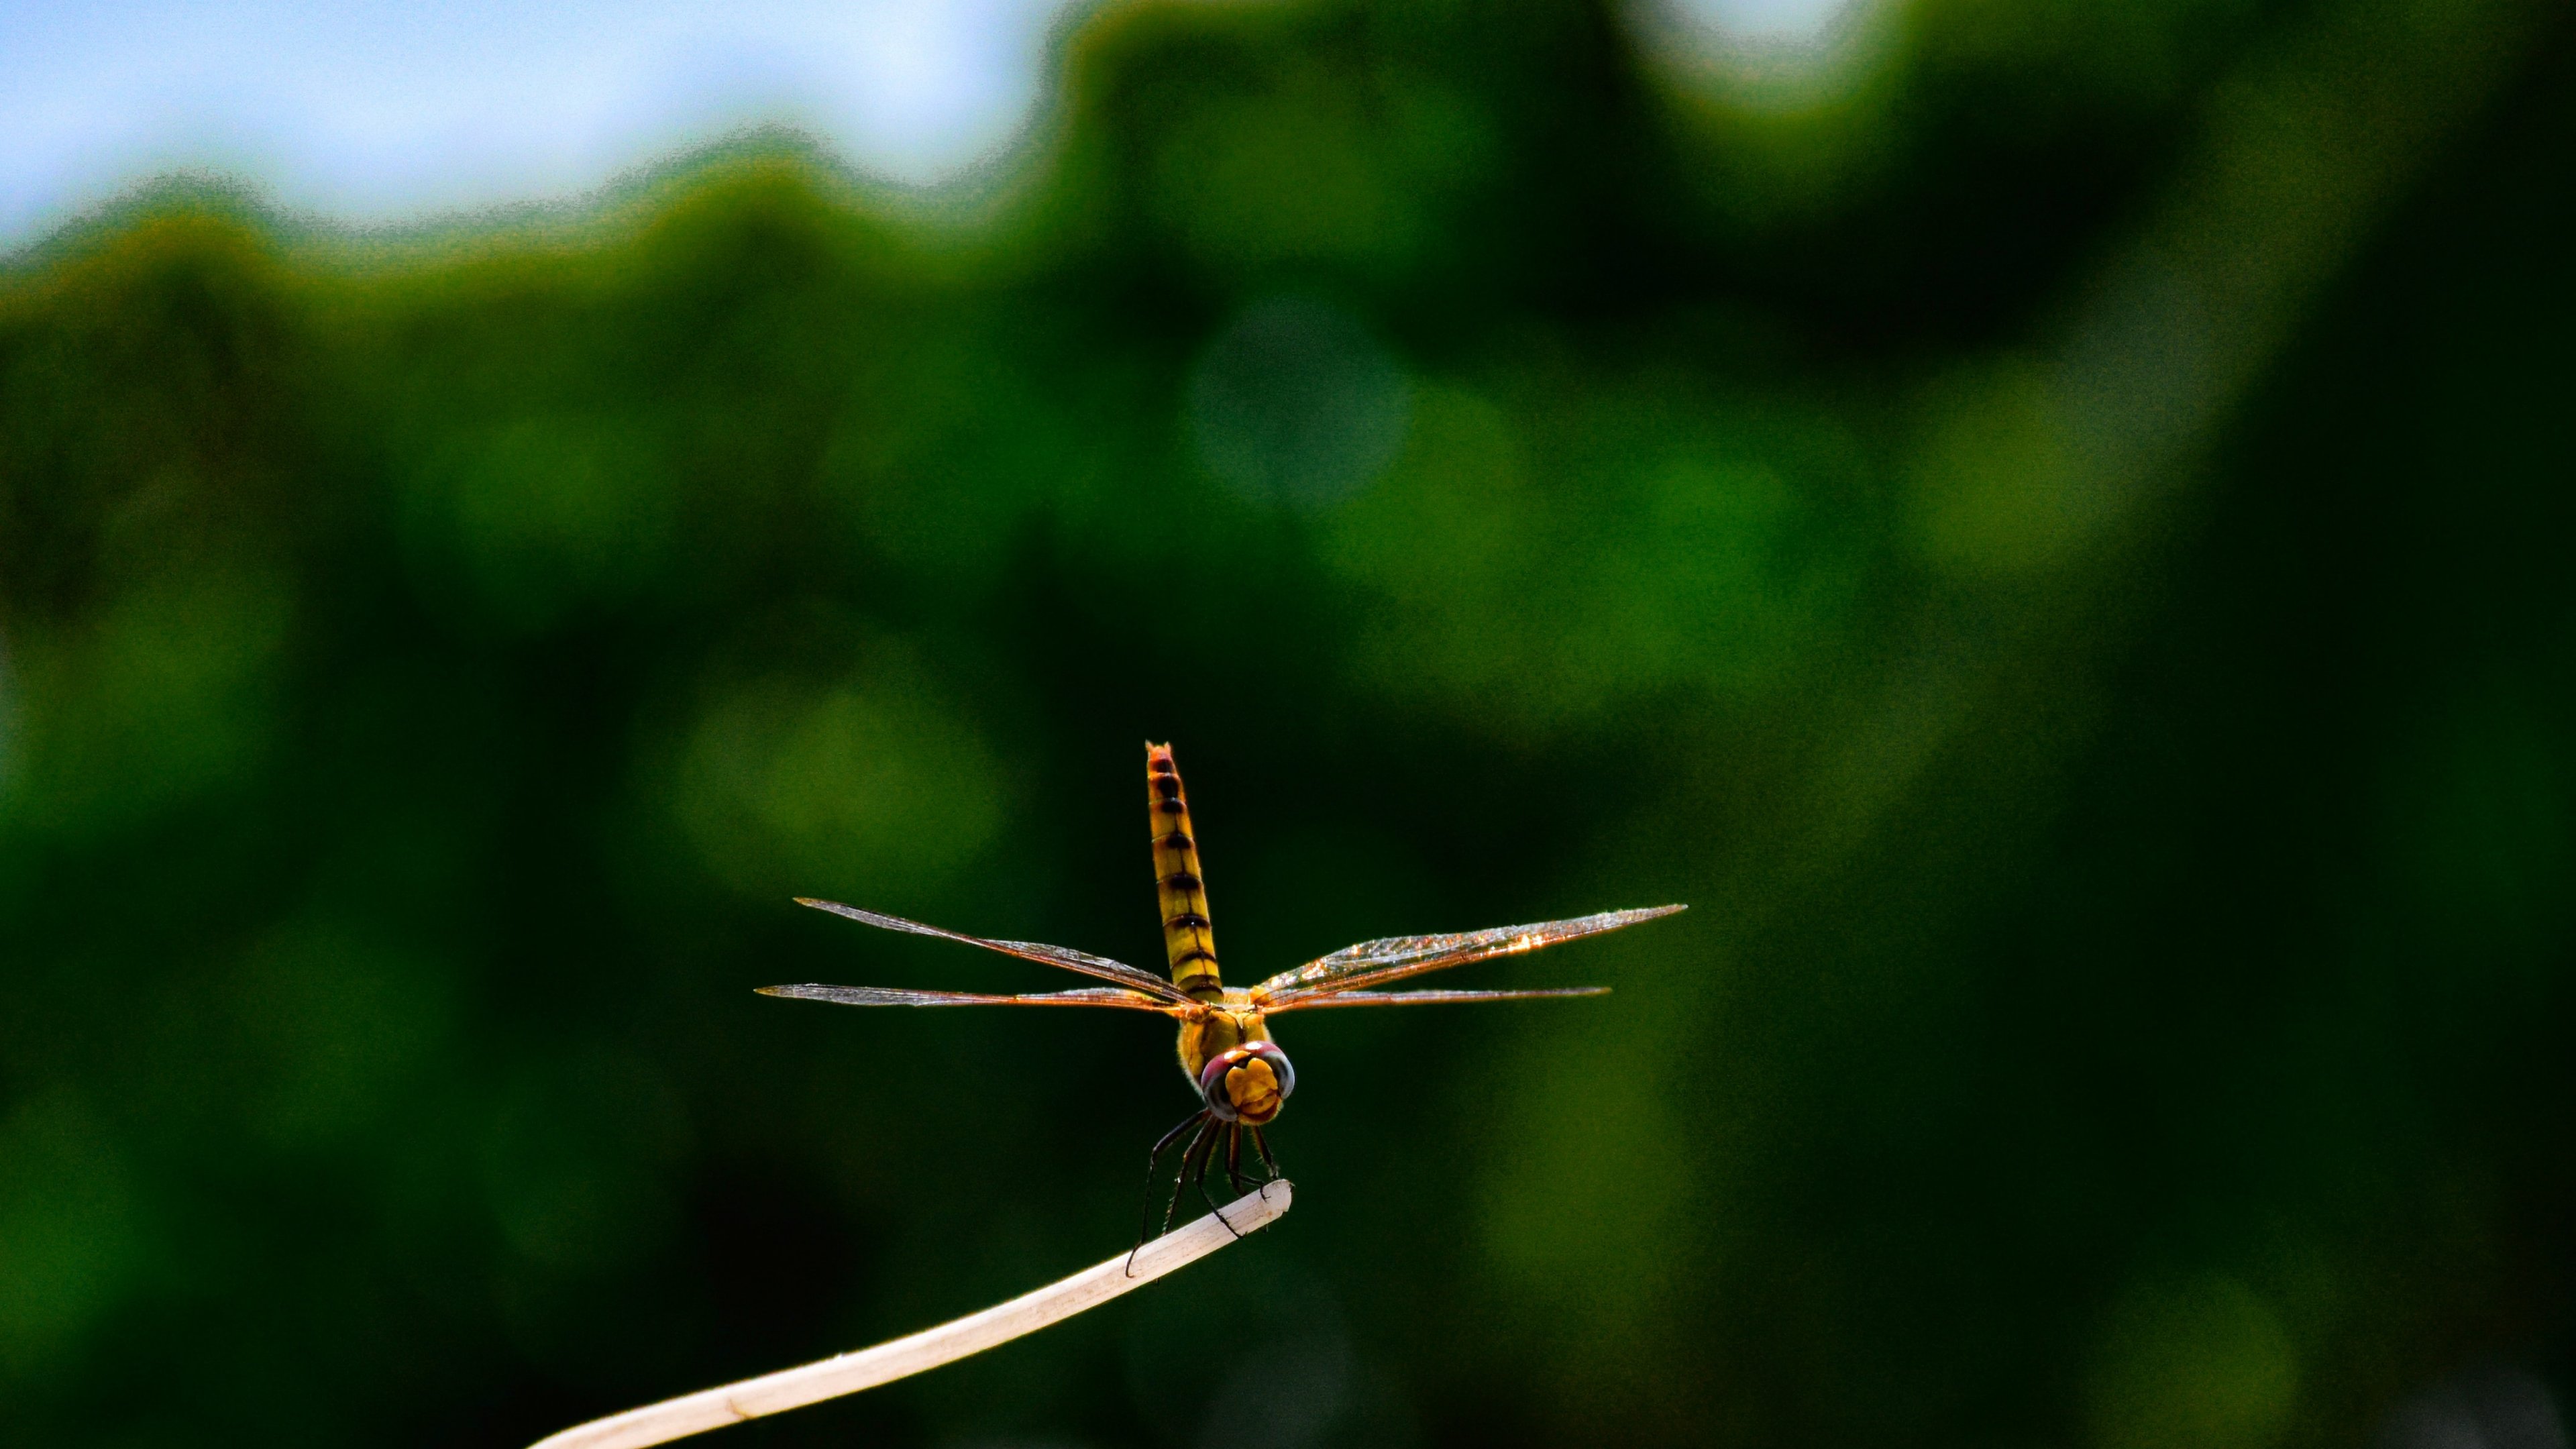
x: 1279, y: 1067
x: 1248, y: 1084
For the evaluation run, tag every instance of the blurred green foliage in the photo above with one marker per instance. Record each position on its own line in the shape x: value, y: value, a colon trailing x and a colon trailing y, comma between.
x: 2054, y: 540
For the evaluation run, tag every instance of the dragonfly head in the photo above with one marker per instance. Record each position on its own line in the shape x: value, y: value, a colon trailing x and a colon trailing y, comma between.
x: 1248, y: 1083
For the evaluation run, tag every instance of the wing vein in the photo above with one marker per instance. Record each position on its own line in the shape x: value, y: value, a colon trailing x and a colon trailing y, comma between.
x: 1062, y: 957
x: 896, y: 996
x: 1374, y: 963
x: 1319, y: 1000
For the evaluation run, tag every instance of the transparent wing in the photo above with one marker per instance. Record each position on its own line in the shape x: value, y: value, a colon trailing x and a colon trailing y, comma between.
x: 1372, y: 963
x: 1063, y: 956
x: 888, y: 996
x: 1425, y: 998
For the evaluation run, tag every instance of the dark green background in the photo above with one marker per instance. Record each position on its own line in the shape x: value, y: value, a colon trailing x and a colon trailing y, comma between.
x: 2056, y: 544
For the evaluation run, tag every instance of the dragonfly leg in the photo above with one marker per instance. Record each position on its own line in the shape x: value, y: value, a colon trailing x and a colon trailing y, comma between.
x: 1145, y: 1225
x: 1207, y: 1154
x: 1266, y: 1159
x: 1234, y: 1157
x: 1181, y: 1180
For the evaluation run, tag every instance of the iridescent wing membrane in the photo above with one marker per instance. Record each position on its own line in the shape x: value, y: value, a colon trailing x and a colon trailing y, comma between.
x: 1332, y: 980
x: 1143, y: 990
x: 1426, y: 998
x: 1340, y: 979
x: 890, y: 996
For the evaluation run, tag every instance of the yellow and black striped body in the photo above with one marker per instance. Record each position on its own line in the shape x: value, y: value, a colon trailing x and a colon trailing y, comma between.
x: 1229, y: 1018
x: 1187, y: 941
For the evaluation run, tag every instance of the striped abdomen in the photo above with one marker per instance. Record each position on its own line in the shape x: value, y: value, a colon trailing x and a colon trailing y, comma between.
x: 1187, y: 941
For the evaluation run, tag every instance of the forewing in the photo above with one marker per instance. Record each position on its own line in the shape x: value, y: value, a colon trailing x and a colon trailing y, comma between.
x: 1372, y: 963
x: 889, y: 996
x: 1424, y: 998
x: 1045, y: 955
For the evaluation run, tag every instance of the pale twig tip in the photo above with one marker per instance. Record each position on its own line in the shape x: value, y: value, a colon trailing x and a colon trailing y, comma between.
x: 850, y: 1372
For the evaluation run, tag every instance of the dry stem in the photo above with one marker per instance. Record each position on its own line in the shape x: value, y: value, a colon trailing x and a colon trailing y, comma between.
x: 850, y: 1372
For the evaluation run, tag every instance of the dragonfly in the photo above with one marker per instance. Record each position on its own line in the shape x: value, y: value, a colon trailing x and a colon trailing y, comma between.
x: 1241, y: 1077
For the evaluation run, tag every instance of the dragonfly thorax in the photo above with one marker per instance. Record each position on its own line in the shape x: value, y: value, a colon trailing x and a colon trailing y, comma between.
x: 1219, y: 1027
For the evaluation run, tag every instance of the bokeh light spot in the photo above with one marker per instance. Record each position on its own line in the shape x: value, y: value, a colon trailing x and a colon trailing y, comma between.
x: 166, y: 694
x: 1546, y: 587
x: 1783, y: 20
x: 1997, y: 486
x: 545, y: 514
x: 1295, y: 403
x: 2490, y: 1406
x: 794, y: 787
x: 1780, y: 56
x: 2198, y: 1363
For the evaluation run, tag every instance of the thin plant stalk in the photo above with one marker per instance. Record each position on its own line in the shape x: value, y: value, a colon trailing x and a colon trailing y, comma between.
x: 900, y: 1358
